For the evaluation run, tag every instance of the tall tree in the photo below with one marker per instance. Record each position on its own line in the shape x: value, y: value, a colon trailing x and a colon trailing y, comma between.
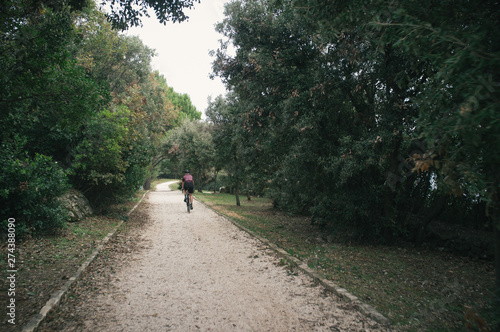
x: 233, y: 153
x: 109, y: 57
x: 162, y: 116
x: 335, y: 103
x: 77, y: 100
x: 45, y: 96
x: 457, y: 99
x: 182, y: 102
x: 141, y: 112
x: 190, y: 146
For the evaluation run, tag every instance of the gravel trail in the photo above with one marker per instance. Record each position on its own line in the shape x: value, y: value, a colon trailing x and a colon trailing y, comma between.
x: 198, y: 272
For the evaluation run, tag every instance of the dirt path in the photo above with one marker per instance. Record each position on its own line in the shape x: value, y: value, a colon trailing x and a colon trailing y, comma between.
x: 200, y: 272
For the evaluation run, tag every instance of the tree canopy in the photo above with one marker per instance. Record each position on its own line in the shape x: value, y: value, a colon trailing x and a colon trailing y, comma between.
x: 81, y: 107
x: 376, y: 116
x: 128, y: 13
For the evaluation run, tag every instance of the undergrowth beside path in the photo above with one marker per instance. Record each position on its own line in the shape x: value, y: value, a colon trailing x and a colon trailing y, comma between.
x: 44, y: 264
x: 416, y: 288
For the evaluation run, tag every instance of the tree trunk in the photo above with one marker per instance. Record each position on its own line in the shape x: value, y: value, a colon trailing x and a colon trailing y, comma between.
x: 390, y: 193
x: 496, y: 225
x: 156, y: 160
x: 496, y: 301
x: 237, y: 194
x: 433, y: 213
x: 248, y: 193
x: 215, y: 181
x: 147, y: 183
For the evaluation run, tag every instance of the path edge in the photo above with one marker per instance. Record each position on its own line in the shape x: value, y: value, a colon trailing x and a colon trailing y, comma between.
x: 364, y: 308
x: 57, y: 296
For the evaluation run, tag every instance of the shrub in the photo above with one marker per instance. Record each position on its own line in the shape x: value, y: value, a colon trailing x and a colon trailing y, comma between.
x: 30, y: 187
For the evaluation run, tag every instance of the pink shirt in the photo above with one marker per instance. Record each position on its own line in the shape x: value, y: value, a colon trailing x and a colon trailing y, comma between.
x: 187, y: 178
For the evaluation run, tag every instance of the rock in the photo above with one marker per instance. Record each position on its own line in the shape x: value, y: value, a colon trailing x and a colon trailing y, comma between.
x: 76, y: 204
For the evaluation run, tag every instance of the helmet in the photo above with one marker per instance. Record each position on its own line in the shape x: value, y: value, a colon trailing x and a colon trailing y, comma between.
x: 186, y: 171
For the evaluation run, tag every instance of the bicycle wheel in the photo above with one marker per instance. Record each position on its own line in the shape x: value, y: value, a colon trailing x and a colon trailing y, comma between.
x: 188, y: 204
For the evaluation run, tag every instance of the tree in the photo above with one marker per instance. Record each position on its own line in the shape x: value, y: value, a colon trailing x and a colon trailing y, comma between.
x: 80, y: 103
x: 390, y: 106
x: 45, y: 94
x: 457, y: 105
x: 110, y: 58
x: 190, y: 146
x: 287, y: 78
x: 44, y: 99
x: 122, y: 13
x: 161, y: 117
x: 182, y: 102
x: 126, y: 13
x: 330, y: 101
x: 140, y: 114
x: 231, y: 140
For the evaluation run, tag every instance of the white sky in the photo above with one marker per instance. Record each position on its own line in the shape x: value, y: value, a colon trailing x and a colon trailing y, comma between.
x: 182, y: 50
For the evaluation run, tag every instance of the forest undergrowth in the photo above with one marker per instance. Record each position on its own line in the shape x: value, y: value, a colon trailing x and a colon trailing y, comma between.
x: 44, y: 264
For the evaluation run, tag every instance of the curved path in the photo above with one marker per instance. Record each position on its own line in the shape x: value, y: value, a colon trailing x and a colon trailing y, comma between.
x: 199, y: 272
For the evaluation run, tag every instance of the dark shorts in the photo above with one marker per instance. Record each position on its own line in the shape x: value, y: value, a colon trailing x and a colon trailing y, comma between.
x: 189, y: 186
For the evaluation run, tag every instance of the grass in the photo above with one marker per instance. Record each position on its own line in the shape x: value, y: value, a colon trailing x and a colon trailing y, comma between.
x: 44, y: 264
x: 416, y: 288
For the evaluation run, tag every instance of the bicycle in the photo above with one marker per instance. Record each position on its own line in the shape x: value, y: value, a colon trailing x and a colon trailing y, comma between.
x: 188, y: 202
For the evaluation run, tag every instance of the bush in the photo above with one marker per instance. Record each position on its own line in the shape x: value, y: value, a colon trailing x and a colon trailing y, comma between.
x: 30, y: 190
x: 222, y: 181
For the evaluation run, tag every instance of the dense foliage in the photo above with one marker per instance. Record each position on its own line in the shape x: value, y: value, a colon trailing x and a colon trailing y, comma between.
x: 127, y: 13
x: 80, y: 107
x: 377, y: 117
x: 190, y: 147
x: 30, y: 189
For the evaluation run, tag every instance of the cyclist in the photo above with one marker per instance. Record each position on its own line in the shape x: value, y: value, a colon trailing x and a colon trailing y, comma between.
x: 188, y: 186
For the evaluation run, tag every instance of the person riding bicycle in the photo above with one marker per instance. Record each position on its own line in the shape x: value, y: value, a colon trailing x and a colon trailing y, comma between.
x: 188, y: 186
